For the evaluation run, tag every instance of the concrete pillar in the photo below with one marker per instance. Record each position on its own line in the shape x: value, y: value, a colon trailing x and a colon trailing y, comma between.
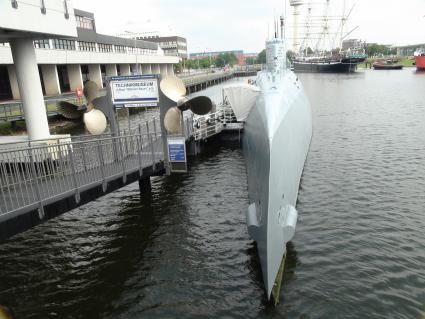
x: 95, y: 74
x: 146, y: 69
x: 75, y: 77
x: 125, y: 69
x: 23, y: 53
x: 51, y: 79
x: 111, y: 70
x: 13, y: 82
x: 135, y: 69
x: 155, y: 69
x: 163, y: 70
x: 170, y: 69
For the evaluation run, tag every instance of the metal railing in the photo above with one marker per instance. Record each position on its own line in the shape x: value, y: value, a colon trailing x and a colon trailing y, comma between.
x: 208, y: 125
x: 211, y: 124
x: 14, y: 111
x: 150, y: 126
x: 39, y: 175
x: 197, y: 79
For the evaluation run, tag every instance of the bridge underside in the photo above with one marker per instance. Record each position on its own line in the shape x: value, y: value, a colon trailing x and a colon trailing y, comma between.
x: 23, y: 222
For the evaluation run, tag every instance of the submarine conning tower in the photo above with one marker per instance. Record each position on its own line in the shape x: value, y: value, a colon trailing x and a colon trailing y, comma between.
x: 276, y: 55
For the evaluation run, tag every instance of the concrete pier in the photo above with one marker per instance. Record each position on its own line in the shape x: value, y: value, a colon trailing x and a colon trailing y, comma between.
x: 95, y: 74
x: 75, y: 77
x: 111, y: 70
x: 146, y: 69
x: 50, y: 79
x: 23, y: 53
x: 13, y: 82
x: 155, y: 69
x: 163, y: 70
x: 125, y: 69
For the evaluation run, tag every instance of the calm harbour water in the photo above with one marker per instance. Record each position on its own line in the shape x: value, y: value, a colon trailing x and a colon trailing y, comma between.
x: 184, y: 251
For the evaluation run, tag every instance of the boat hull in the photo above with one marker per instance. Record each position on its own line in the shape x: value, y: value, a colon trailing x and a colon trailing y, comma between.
x: 324, y: 67
x: 420, y: 62
x: 277, y: 136
x: 378, y: 66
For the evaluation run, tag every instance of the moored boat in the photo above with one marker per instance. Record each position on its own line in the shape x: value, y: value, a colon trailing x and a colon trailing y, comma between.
x: 387, y: 65
x: 324, y: 66
x: 420, y: 59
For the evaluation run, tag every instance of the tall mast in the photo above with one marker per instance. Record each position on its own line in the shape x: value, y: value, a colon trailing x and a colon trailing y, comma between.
x: 343, y: 21
x: 325, y: 28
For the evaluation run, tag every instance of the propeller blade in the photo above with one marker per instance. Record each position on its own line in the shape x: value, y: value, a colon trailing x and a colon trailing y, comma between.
x: 182, y: 105
x: 90, y: 91
x: 69, y: 110
x: 172, y: 120
x: 101, y: 103
x: 199, y: 105
x: 95, y: 121
x: 173, y: 88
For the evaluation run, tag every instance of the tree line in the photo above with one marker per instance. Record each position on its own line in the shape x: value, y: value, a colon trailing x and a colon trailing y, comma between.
x: 220, y: 61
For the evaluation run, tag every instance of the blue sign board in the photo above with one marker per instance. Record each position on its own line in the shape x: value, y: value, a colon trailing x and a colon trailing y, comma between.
x: 176, y: 150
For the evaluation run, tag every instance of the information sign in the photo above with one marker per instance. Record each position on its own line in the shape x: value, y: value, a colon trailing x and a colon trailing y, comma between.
x: 134, y: 90
x: 176, y: 149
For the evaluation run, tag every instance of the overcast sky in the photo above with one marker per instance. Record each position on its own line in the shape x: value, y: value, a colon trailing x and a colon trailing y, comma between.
x: 243, y: 24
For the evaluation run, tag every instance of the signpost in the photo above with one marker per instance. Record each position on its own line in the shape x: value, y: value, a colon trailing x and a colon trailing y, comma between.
x: 134, y: 90
x: 176, y: 147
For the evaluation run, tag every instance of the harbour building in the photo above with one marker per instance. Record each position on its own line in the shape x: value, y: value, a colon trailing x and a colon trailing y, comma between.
x: 172, y: 45
x: 409, y: 50
x: 350, y: 44
x: 65, y: 63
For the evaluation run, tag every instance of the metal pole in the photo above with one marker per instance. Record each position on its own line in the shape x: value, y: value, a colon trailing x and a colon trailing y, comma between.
x: 153, y: 153
x: 102, y: 165
x: 37, y: 186
x: 74, y: 175
x: 128, y: 120
x: 139, y: 152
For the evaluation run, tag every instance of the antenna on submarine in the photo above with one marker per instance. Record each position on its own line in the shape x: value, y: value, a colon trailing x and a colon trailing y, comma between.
x: 282, y: 27
x: 275, y: 29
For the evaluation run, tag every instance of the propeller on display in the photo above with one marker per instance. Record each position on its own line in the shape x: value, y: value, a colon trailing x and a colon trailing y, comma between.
x: 93, y: 118
x: 174, y: 89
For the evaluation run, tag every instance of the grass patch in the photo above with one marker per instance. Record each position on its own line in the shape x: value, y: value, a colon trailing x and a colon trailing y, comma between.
x: 407, y: 62
x: 6, y: 128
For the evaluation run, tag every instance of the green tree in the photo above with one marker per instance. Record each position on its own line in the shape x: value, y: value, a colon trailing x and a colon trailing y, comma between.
x: 375, y: 49
x: 205, y: 63
x: 290, y: 55
x: 219, y: 61
x: 261, y: 57
x: 229, y: 58
x: 178, y: 67
x: 250, y: 61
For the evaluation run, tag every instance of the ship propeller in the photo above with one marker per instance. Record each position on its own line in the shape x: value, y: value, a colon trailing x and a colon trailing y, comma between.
x: 93, y: 113
x: 174, y: 89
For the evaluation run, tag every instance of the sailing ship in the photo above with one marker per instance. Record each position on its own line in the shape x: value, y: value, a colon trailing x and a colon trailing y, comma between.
x: 324, y: 58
